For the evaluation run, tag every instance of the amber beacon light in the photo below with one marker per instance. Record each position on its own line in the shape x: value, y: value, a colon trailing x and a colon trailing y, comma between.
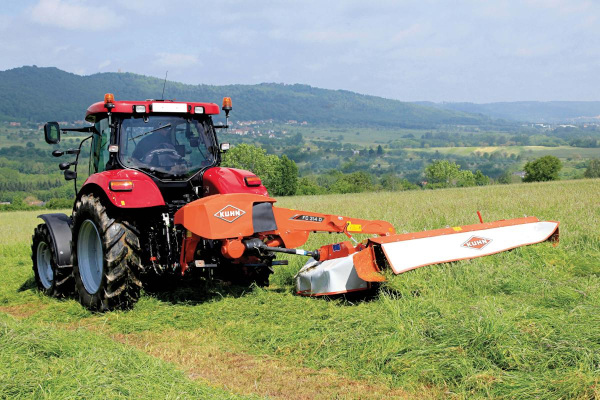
x: 109, y: 98
x: 226, y: 104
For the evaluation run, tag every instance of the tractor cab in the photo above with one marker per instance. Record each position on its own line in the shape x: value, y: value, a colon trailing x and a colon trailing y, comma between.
x: 171, y: 147
x: 167, y: 140
x: 172, y: 143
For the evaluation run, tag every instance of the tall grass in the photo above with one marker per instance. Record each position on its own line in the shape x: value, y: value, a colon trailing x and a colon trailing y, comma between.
x: 41, y: 362
x: 520, y: 324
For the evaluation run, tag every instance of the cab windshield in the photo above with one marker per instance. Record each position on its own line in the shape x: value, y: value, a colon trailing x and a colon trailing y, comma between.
x: 169, y: 147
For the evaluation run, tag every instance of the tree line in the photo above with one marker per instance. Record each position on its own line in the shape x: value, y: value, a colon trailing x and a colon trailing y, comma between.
x: 280, y: 174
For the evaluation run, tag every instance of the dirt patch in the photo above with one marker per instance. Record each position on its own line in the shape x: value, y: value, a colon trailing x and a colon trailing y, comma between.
x: 23, y: 311
x: 196, y: 353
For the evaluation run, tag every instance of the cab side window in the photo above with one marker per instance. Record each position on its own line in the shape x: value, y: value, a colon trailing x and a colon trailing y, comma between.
x: 99, y: 155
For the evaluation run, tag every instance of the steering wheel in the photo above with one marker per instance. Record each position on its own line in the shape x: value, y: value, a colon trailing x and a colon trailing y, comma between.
x: 164, y: 151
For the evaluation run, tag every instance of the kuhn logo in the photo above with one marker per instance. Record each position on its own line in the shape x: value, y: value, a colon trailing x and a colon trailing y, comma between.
x: 229, y: 213
x: 476, y: 242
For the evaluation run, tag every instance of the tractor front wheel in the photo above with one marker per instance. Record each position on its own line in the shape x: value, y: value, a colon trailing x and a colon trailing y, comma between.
x: 51, y: 279
x: 106, y: 254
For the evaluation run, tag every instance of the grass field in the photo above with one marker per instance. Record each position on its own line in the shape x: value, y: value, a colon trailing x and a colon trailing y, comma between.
x: 520, y: 324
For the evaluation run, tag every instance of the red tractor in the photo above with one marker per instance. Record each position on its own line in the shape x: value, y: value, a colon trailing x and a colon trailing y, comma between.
x: 157, y: 202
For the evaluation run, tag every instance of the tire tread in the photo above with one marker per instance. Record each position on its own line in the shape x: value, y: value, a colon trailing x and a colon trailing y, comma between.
x: 120, y: 287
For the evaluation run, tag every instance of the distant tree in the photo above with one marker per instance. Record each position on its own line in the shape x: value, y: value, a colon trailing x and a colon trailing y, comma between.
x: 59, y: 203
x: 465, y: 178
x: 252, y: 158
x: 392, y: 182
x: 543, y: 169
x: 481, y: 179
x: 442, y: 173
x: 309, y: 186
x: 285, y: 181
x: 505, y: 178
x: 280, y: 176
x: 593, y: 169
x: 379, y: 150
x: 353, y: 183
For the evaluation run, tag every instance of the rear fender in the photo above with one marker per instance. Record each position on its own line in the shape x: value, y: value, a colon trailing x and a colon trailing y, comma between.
x: 59, y: 226
x: 144, y: 194
x: 220, y: 180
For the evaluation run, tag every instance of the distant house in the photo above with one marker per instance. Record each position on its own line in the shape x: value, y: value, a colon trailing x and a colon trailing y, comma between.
x: 520, y: 174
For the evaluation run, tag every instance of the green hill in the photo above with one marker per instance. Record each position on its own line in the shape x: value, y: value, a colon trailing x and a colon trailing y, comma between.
x: 531, y: 111
x: 42, y: 94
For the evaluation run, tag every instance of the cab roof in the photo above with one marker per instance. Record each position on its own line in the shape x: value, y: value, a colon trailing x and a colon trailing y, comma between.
x: 151, y: 107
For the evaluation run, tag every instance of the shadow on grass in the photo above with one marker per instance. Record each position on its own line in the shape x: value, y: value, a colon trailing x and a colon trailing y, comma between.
x: 353, y: 298
x: 29, y: 284
x: 197, y: 291
x: 194, y: 291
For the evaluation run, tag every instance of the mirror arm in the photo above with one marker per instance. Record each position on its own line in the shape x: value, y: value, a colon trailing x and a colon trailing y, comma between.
x: 85, y: 129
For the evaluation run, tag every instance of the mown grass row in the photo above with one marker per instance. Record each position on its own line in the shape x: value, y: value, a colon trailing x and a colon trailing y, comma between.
x: 42, y: 362
x: 517, y: 324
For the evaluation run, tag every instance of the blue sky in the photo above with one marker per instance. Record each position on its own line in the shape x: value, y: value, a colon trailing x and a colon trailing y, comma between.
x: 479, y: 51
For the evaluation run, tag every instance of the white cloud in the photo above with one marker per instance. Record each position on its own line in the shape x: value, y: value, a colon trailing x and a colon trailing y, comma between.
x: 176, y: 60
x: 76, y: 16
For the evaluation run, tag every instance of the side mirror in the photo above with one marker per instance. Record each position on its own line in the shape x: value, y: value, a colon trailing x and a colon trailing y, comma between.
x: 70, y: 175
x: 224, y: 147
x: 52, y: 132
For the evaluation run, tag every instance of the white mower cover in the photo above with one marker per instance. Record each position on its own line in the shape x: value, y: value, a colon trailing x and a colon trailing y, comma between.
x: 329, y: 277
x: 339, y: 275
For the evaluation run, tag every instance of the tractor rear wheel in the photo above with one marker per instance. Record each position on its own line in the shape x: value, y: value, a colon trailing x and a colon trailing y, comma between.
x: 106, y: 257
x: 51, y: 279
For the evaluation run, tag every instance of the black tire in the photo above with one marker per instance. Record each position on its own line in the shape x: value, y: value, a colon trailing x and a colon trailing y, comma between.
x: 51, y: 279
x: 115, y: 251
